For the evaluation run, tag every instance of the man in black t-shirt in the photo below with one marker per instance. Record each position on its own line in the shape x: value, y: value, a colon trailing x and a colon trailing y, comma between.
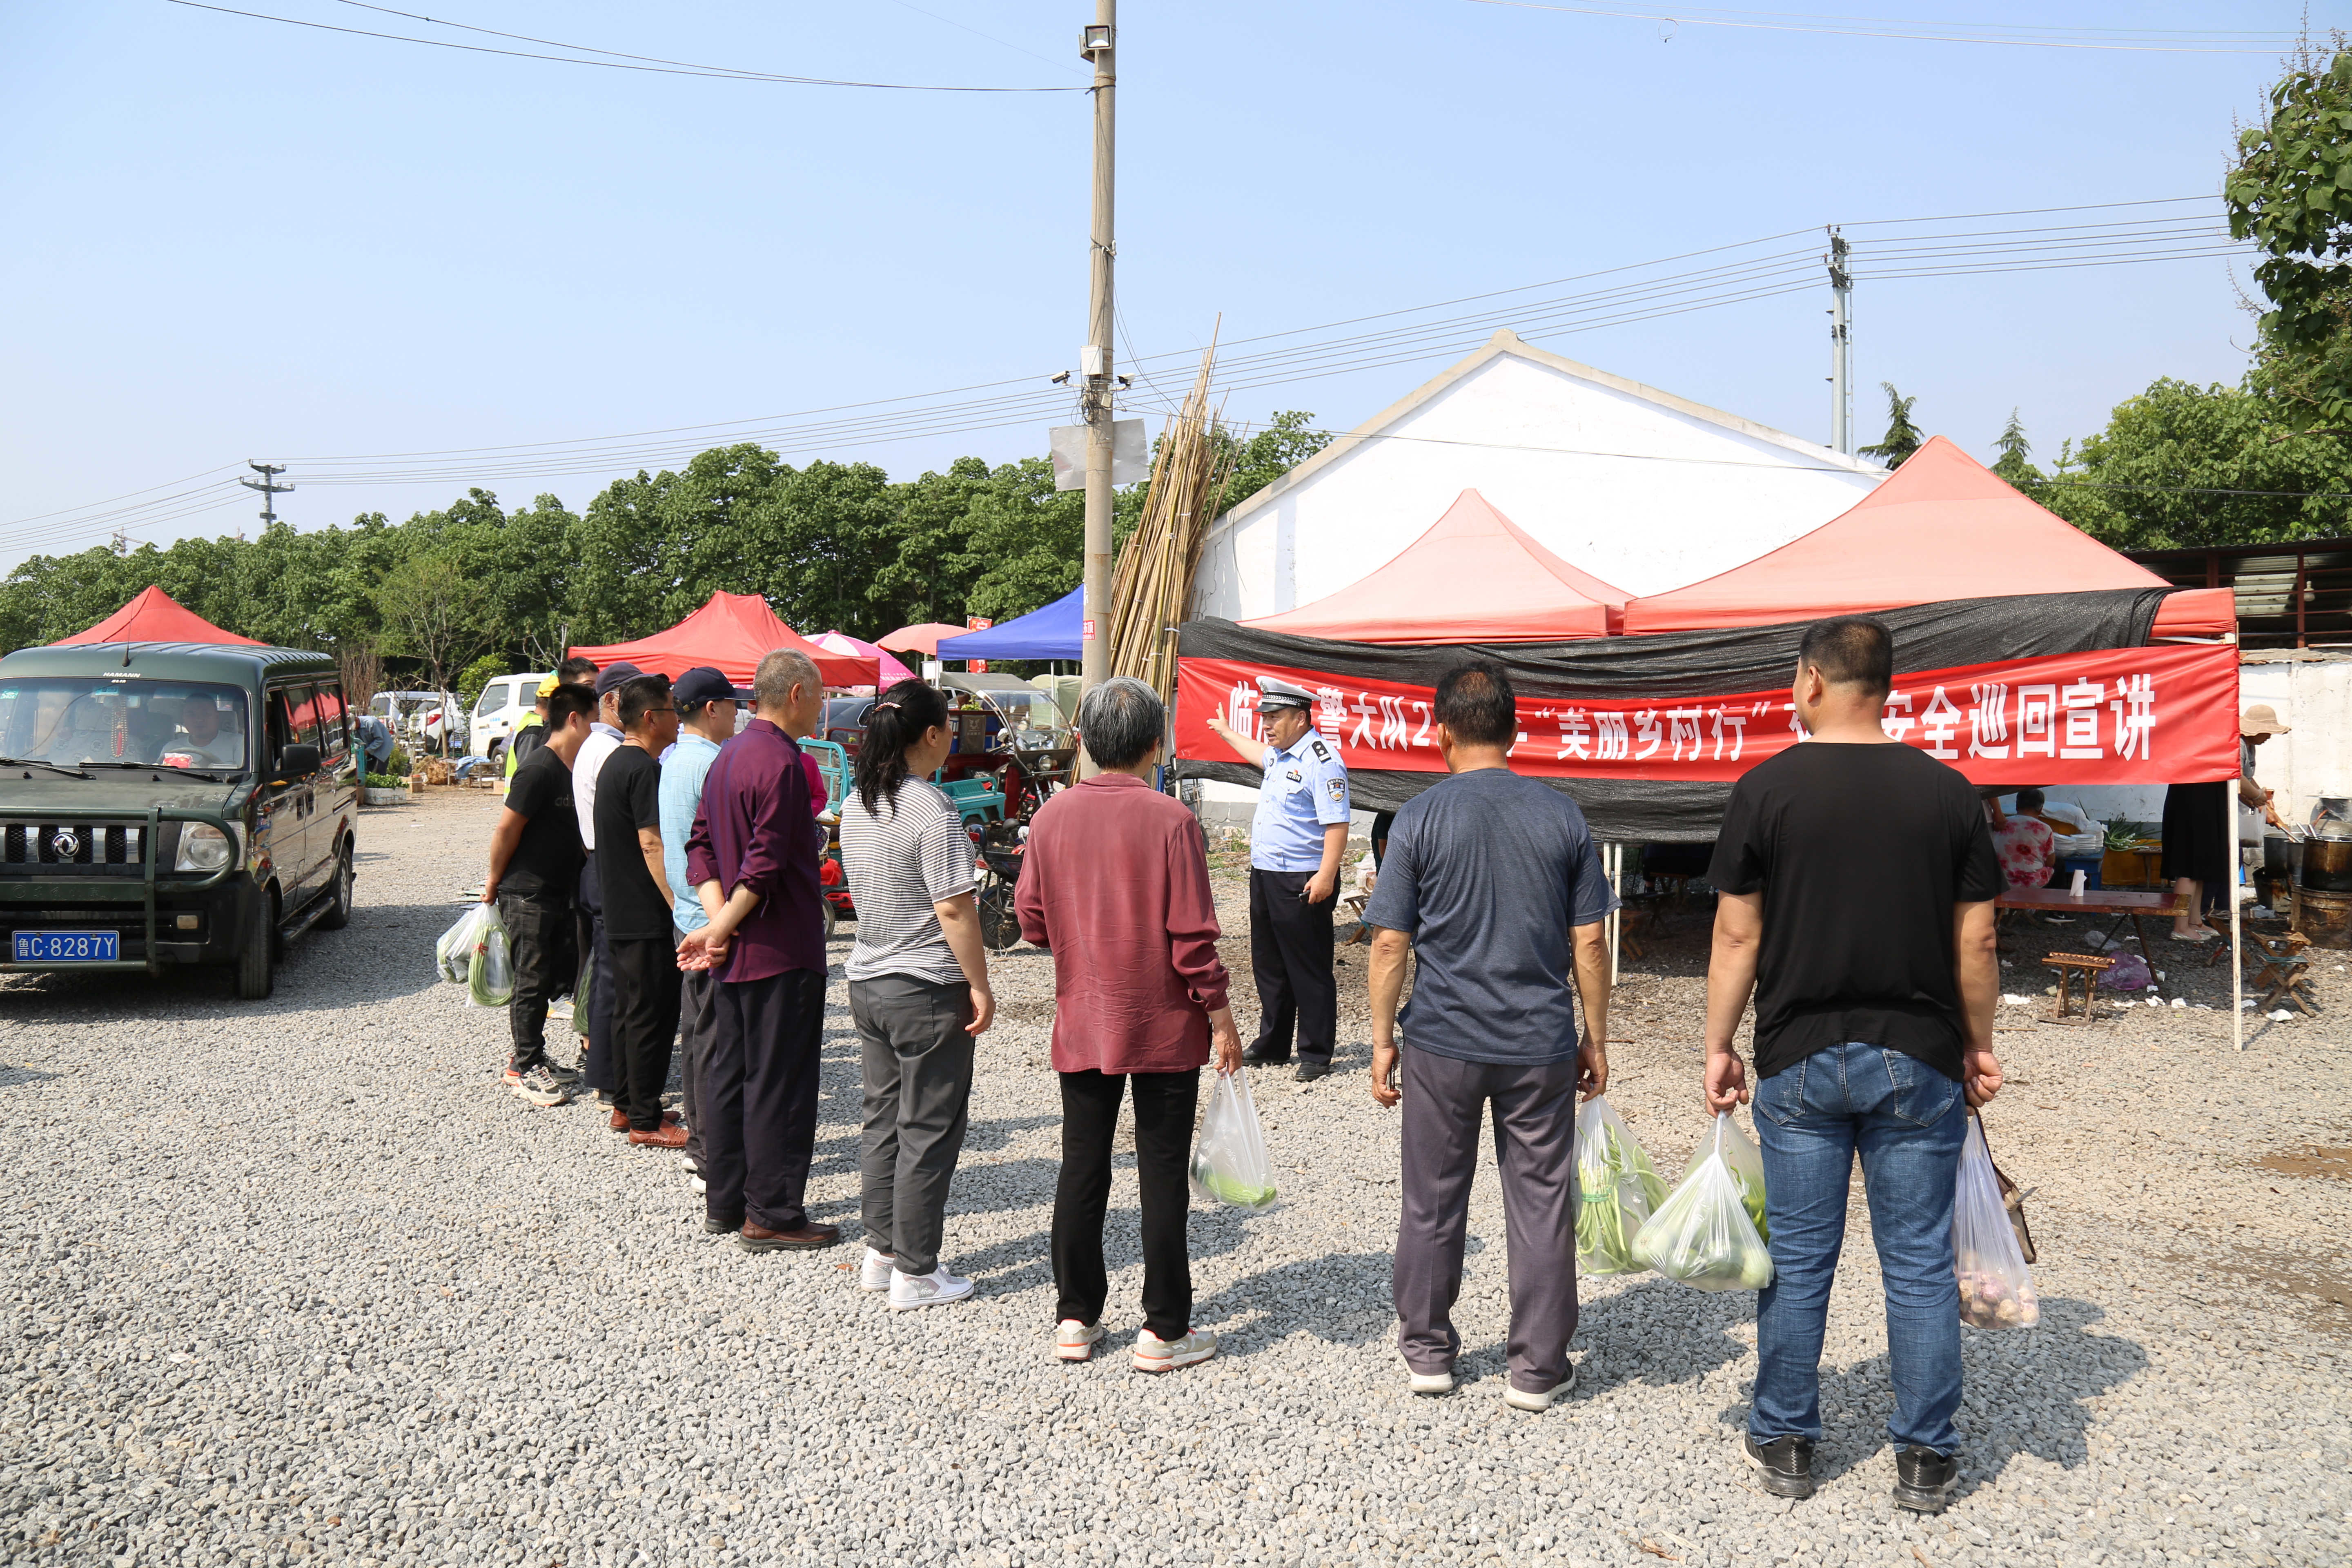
x: 1871, y: 959
x: 645, y: 975
x: 535, y: 859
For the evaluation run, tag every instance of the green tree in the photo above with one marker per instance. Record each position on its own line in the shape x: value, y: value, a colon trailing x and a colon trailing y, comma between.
x: 1902, y: 437
x: 2289, y: 191
x: 479, y: 674
x: 2181, y: 465
x: 1261, y: 458
x: 434, y: 613
x: 2014, y: 463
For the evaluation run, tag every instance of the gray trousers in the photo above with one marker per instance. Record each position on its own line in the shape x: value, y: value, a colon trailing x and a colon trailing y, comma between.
x: 698, y: 1029
x: 918, y: 1059
x: 1535, y: 1145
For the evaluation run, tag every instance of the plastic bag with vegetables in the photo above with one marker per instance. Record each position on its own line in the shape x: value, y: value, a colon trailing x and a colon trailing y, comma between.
x: 1707, y: 1233
x: 474, y: 953
x: 1996, y: 1290
x: 454, y: 954
x: 1617, y: 1190
x: 1229, y: 1162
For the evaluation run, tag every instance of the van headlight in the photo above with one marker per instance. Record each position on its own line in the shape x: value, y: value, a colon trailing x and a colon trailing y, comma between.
x: 204, y: 847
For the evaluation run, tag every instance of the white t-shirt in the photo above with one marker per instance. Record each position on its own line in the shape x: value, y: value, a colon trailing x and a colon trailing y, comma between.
x: 601, y: 742
x: 899, y: 863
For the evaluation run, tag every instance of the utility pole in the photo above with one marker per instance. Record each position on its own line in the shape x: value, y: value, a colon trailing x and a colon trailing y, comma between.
x: 1095, y: 366
x: 1841, y: 345
x: 269, y: 487
x: 120, y: 544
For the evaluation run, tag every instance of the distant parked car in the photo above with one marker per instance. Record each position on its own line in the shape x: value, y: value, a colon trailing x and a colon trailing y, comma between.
x: 422, y: 719
x: 501, y: 708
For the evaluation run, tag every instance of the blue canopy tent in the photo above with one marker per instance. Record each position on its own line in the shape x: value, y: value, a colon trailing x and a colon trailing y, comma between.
x: 1048, y: 632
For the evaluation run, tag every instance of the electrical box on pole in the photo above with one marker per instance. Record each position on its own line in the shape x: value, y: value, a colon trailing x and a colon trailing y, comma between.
x: 269, y: 486
x: 1841, y: 345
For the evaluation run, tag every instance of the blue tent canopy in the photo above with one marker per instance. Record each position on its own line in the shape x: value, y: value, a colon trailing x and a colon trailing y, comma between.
x: 1048, y: 632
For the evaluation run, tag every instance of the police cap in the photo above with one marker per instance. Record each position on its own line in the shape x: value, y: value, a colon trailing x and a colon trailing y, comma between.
x: 1274, y: 694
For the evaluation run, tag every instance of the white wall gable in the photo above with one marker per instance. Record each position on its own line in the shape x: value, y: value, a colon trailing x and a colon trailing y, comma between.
x: 1638, y: 488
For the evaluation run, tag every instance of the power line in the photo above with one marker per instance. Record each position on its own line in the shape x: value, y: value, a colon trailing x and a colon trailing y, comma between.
x: 1867, y: 27
x: 728, y: 73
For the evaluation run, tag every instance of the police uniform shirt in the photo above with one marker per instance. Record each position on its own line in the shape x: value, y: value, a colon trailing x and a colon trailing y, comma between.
x: 1303, y: 792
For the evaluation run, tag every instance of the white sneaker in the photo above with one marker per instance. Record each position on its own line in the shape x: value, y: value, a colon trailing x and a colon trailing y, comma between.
x: 1518, y: 1398
x: 875, y: 1273
x: 1153, y: 1353
x: 935, y: 1288
x: 1075, y: 1340
x: 700, y: 1186
x: 1430, y: 1382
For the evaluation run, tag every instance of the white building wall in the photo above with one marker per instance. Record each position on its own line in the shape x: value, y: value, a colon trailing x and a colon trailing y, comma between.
x: 1632, y: 489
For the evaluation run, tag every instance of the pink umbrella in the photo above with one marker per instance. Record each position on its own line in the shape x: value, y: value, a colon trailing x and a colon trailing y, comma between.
x: 892, y: 670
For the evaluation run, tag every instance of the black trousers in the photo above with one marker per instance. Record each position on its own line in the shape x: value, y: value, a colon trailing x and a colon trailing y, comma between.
x: 697, y: 1027
x: 541, y: 936
x: 1290, y: 949
x: 645, y: 992
x: 1165, y: 1103
x: 759, y: 1091
x: 598, y: 1070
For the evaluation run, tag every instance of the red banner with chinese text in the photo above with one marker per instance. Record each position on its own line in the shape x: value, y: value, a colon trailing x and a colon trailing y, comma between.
x: 2129, y: 715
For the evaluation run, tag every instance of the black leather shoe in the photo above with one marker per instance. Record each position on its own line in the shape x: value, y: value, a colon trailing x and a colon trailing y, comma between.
x: 1784, y: 1466
x: 1924, y: 1479
x: 715, y: 1227
x: 1259, y: 1057
x: 1310, y: 1070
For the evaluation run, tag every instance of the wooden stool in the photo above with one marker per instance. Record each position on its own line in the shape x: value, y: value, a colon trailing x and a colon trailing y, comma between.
x: 2067, y: 965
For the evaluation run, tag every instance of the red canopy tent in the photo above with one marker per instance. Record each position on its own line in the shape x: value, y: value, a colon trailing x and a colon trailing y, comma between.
x: 731, y: 634
x: 155, y: 617
x: 1942, y: 527
x: 1474, y: 577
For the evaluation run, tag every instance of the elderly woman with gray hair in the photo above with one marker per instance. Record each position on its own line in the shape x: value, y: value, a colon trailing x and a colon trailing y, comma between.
x: 1116, y: 884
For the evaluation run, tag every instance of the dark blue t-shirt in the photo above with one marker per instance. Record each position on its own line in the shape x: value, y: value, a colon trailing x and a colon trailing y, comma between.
x: 1488, y: 873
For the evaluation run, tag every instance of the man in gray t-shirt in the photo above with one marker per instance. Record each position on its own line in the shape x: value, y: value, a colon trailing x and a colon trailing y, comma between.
x: 1493, y: 882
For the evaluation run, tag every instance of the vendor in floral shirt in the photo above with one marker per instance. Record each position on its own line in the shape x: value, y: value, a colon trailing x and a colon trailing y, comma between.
x: 2027, y: 849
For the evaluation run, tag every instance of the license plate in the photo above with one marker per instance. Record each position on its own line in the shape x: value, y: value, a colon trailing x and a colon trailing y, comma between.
x: 66, y: 946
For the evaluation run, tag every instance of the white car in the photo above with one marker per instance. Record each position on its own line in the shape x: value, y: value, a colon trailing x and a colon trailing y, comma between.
x: 419, y: 720
x: 503, y: 705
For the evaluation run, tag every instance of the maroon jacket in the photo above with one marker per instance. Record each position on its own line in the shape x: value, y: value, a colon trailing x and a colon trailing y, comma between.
x: 1116, y: 882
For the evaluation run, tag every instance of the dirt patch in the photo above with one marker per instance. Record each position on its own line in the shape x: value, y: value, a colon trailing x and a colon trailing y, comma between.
x: 2310, y: 1160
x: 2321, y: 1290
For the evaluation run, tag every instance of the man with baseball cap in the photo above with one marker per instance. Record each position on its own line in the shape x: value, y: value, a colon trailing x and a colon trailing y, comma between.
x: 604, y: 738
x: 1297, y: 838
x: 706, y: 702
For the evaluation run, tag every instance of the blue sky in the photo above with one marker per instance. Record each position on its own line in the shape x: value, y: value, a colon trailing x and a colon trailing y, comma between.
x: 233, y: 238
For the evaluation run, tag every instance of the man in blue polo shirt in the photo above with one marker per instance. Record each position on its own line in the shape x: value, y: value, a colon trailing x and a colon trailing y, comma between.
x: 1297, y: 838
x: 706, y: 702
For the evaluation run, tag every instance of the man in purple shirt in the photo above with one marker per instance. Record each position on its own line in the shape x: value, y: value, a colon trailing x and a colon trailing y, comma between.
x: 752, y: 859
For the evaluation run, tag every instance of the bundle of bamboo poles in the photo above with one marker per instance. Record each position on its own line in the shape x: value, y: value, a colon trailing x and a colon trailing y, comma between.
x: 1151, y: 589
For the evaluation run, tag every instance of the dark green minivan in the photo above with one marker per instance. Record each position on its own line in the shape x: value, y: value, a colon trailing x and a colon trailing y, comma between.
x: 172, y: 804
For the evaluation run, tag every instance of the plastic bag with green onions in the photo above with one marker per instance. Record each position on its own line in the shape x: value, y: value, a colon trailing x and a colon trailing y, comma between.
x: 1708, y: 1234
x: 1617, y: 1190
x: 474, y: 953
x: 1229, y: 1162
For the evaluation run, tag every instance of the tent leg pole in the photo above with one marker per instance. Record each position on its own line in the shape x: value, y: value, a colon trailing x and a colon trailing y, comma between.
x: 2237, y: 960
x: 1613, y: 861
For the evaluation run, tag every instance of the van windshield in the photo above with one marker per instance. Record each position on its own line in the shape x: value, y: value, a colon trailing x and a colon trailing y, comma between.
x: 73, y: 720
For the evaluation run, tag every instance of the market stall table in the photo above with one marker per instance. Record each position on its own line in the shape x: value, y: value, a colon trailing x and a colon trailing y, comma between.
x: 2134, y: 906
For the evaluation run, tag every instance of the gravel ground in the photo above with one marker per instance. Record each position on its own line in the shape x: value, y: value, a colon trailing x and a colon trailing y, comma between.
x: 294, y: 1281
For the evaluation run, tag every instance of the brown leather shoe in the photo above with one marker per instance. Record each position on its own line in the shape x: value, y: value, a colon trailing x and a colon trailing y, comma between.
x: 620, y: 1123
x: 668, y: 1135
x: 760, y: 1238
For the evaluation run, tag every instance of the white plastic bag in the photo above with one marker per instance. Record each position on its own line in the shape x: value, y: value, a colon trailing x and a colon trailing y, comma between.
x: 1996, y: 1289
x: 454, y: 954
x: 474, y: 953
x: 1617, y: 1190
x: 1707, y: 1234
x: 1229, y: 1163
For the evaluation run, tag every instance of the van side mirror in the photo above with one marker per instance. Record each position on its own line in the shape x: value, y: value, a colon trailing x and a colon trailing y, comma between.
x: 297, y: 760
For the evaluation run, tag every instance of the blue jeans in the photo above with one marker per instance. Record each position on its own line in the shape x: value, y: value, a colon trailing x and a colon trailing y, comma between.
x: 1909, y: 1120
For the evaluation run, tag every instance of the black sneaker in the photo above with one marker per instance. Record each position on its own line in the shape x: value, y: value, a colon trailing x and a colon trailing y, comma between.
x: 1262, y: 1056
x: 1784, y: 1466
x: 1924, y: 1479
x: 1310, y: 1070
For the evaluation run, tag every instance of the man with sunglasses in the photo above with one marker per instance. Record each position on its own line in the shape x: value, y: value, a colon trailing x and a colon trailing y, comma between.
x: 631, y: 873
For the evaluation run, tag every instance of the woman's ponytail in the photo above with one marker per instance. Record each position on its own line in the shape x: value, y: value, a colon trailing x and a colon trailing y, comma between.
x: 898, y: 721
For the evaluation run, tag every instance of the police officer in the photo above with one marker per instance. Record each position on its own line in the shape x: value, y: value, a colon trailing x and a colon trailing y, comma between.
x: 1297, y: 838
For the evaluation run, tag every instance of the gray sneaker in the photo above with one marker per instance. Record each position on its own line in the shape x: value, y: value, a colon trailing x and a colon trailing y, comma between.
x: 1152, y: 1353
x: 537, y: 1086
x: 559, y: 1072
